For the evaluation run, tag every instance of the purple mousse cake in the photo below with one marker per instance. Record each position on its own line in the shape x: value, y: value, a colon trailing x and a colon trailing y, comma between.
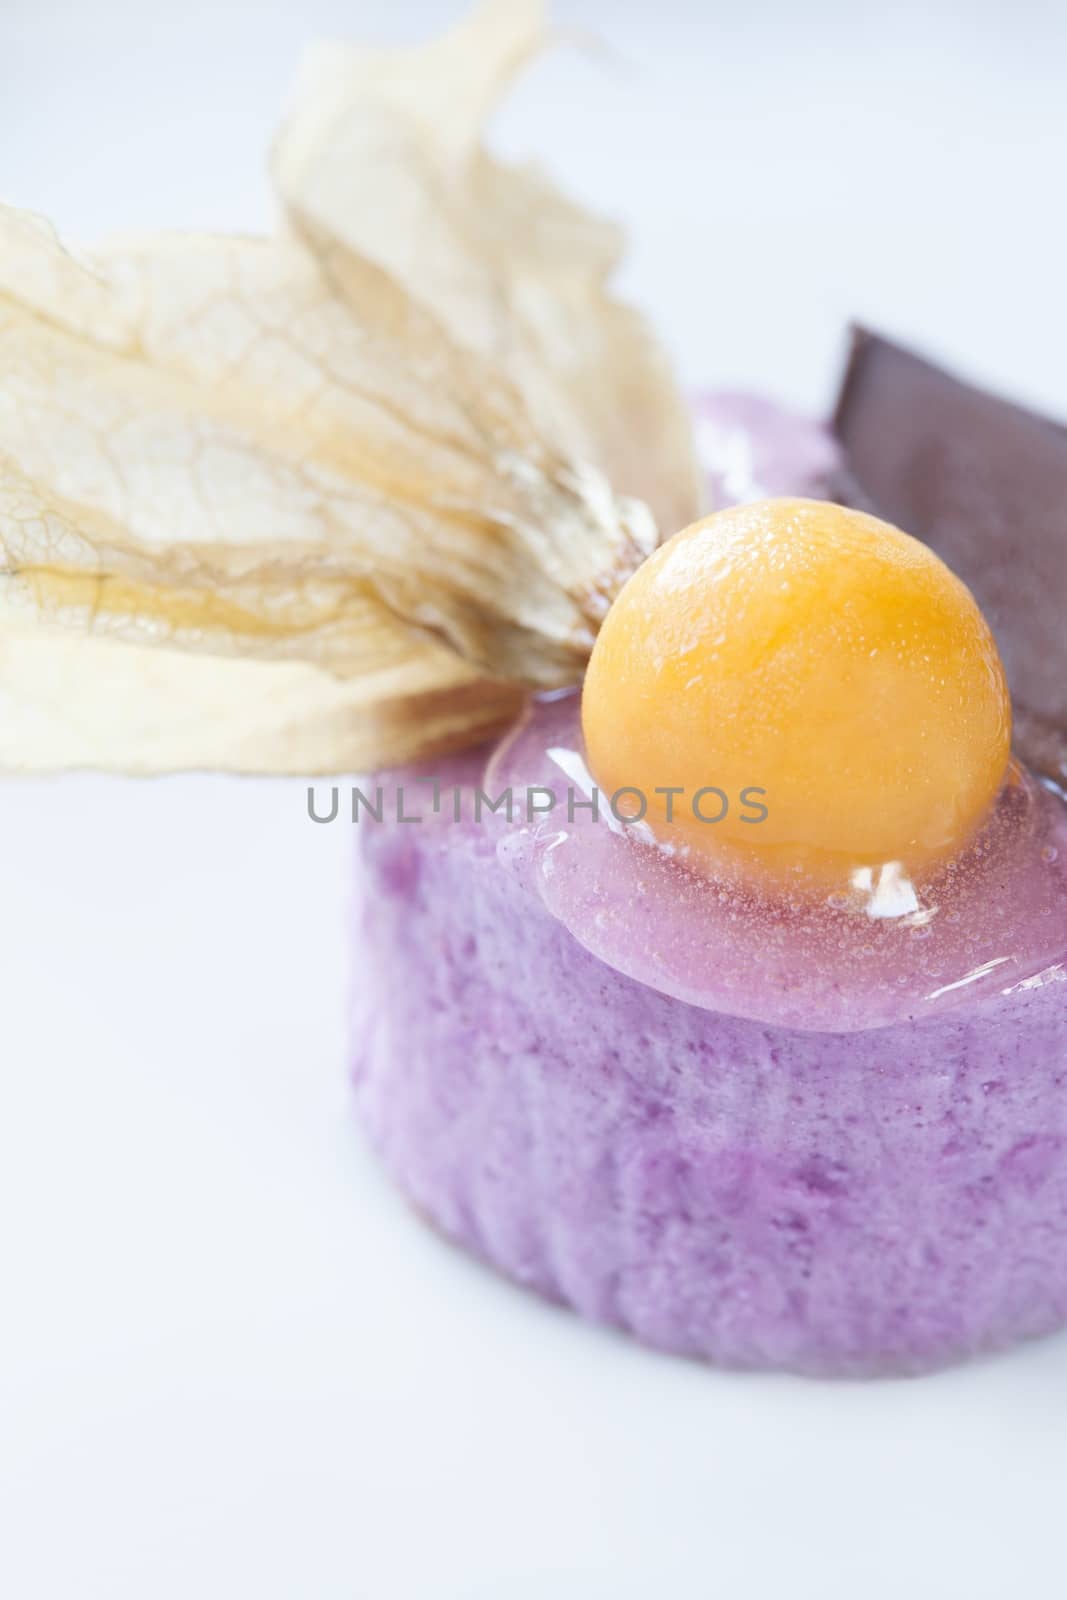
x: 824, y: 1132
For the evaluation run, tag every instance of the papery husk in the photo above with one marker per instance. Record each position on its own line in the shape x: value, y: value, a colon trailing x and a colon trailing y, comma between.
x: 337, y: 499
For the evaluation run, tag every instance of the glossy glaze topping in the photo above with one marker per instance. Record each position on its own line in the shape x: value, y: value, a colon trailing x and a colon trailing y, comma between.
x: 884, y: 951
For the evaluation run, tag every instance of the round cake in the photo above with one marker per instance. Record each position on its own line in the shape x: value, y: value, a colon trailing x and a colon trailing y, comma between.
x: 822, y: 1137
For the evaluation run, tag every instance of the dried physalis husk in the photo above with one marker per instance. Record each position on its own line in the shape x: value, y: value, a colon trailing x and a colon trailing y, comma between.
x: 339, y: 498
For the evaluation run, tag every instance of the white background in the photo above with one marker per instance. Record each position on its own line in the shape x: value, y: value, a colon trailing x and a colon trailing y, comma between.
x: 231, y: 1362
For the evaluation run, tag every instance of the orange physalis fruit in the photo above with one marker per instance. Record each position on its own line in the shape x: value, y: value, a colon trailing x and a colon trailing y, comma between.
x: 801, y: 659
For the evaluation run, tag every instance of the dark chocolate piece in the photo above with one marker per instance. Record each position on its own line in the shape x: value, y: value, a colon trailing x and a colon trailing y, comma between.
x: 984, y: 483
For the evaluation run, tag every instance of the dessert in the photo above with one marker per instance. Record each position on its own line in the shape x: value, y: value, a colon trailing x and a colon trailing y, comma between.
x: 826, y: 1132
x: 718, y: 990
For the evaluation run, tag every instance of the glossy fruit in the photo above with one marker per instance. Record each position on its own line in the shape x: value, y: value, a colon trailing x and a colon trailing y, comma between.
x: 820, y: 656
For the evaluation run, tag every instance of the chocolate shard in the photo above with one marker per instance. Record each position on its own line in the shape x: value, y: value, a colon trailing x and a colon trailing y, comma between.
x: 984, y: 483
